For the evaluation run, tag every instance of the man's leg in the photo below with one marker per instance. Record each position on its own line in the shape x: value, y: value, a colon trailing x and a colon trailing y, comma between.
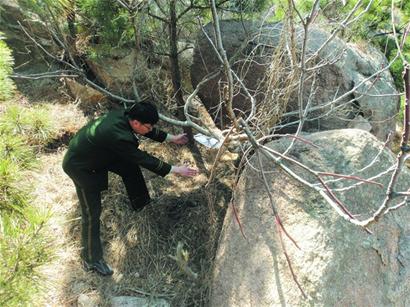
x: 92, y: 254
x: 134, y: 184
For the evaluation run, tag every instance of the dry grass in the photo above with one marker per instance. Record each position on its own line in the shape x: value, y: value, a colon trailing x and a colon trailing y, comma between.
x: 137, y: 245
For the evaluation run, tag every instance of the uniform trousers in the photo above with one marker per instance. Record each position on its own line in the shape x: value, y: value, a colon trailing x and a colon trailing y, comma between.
x: 90, y: 203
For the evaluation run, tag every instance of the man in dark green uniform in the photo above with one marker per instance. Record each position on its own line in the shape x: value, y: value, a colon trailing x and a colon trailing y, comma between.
x: 110, y: 143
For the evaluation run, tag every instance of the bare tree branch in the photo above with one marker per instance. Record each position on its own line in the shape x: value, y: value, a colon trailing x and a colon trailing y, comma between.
x: 227, y: 67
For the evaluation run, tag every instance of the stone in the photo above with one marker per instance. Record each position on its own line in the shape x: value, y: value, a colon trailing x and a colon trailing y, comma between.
x: 24, y: 50
x: 115, y: 71
x: 250, y: 46
x: 85, y: 300
x: 124, y: 301
x: 338, y: 264
x: 360, y: 123
x: 84, y: 93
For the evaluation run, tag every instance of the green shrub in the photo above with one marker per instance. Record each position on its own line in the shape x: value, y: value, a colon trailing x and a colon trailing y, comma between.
x: 106, y: 21
x: 396, y: 70
x: 6, y: 62
x: 38, y: 126
x: 15, y: 149
x: 23, y: 245
x: 33, y: 124
x: 11, y: 121
x: 23, y: 248
x: 12, y: 196
x: 45, y: 8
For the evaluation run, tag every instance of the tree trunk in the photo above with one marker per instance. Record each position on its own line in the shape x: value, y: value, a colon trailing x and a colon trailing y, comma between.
x: 72, y: 37
x: 175, y: 71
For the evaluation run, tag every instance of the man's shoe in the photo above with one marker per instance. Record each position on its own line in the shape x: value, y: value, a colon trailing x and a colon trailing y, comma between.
x: 98, y: 266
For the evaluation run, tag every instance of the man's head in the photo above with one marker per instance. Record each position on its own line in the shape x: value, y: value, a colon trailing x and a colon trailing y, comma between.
x: 142, y: 117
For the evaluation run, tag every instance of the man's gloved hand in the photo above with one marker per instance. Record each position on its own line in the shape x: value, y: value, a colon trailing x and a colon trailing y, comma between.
x: 179, y: 139
x: 184, y: 170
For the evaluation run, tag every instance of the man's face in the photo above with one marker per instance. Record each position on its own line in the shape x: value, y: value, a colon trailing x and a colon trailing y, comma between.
x: 140, y: 128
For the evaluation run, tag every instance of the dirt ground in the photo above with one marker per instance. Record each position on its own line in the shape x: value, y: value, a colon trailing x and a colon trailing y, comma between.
x: 138, y: 246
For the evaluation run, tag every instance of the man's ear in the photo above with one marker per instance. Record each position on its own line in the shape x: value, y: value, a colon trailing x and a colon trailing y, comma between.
x: 134, y: 123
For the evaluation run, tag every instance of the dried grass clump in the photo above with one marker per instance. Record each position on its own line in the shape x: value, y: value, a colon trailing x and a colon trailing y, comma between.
x: 141, y: 246
x: 279, y: 85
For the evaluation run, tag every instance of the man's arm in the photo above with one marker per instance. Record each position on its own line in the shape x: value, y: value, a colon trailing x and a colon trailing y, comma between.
x: 156, y: 135
x: 126, y: 150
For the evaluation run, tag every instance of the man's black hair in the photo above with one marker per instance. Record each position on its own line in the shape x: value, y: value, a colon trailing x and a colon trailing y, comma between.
x: 144, y: 112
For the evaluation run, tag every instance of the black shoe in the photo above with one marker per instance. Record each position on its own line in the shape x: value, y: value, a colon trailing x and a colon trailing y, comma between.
x: 98, y: 266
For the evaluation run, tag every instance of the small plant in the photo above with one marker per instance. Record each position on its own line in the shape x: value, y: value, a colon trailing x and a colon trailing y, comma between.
x: 6, y: 63
x: 33, y: 124
x: 12, y: 198
x: 15, y: 149
x: 23, y: 248
x: 11, y: 121
x: 105, y: 21
x: 23, y: 245
x: 38, y: 126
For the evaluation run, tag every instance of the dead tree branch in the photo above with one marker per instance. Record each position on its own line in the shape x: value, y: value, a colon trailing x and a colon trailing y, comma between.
x: 227, y: 67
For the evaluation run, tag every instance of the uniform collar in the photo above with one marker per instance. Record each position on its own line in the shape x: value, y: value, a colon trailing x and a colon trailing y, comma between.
x: 129, y: 126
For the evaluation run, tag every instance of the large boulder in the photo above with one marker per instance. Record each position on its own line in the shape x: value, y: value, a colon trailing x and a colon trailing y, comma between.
x: 24, y: 50
x: 250, y: 47
x: 338, y: 264
x: 115, y: 71
x: 85, y: 94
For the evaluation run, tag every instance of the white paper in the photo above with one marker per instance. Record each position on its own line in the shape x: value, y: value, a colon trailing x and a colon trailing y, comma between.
x: 207, y: 141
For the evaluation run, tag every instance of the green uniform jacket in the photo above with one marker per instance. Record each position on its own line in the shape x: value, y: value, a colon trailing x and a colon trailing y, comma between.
x: 104, y: 142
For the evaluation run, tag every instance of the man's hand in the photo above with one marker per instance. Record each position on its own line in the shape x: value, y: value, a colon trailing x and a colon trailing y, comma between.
x: 179, y: 139
x: 184, y: 170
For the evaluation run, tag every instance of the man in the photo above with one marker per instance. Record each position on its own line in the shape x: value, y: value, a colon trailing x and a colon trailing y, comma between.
x: 110, y: 143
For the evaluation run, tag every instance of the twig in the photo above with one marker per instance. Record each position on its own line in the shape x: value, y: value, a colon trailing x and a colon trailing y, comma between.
x: 228, y: 72
x: 402, y: 156
x: 279, y: 227
x: 235, y: 213
x: 49, y: 74
x: 350, y: 177
x: 221, y: 150
x: 274, y: 210
x: 139, y: 291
